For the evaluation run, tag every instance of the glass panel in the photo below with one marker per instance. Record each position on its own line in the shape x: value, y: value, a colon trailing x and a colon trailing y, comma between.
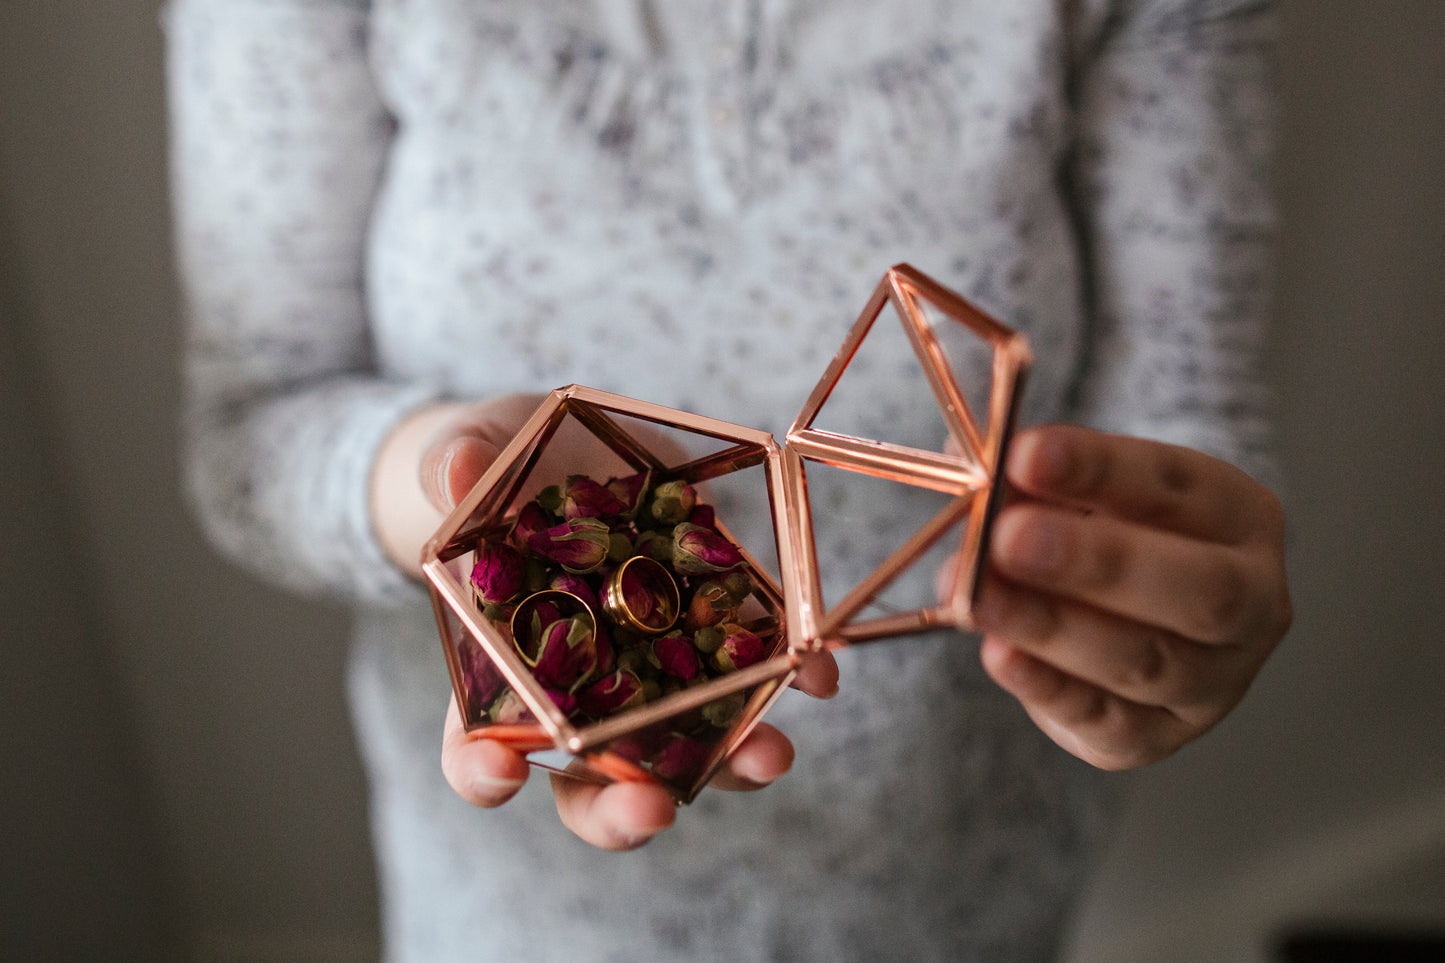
x: 873, y: 562
x: 595, y: 558
x: 883, y: 394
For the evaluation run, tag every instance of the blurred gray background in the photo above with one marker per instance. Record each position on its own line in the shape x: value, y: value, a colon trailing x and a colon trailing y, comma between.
x: 178, y: 775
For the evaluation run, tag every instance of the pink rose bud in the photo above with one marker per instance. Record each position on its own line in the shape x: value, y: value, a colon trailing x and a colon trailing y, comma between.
x: 563, y: 700
x: 696, y: 551
x: 612, y: 693
x: 530, y: 520
x: 498, y: 573
x: 578, y: 545
x: 680, y: 759
x: 740, y: 649
x: 672, y: 502
x: 631, y: 491
x: 675, y: 655
x: 481, y: 678
x: 606, y: 659
x: 703, y: 516
x: 565, y: 653
x: 575, y: 585
x: 544, y: 613
x: 629, y: 748
x: 585, y: 498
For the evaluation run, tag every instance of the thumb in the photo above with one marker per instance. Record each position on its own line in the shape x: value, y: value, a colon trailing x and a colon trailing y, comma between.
x: 451, y: 467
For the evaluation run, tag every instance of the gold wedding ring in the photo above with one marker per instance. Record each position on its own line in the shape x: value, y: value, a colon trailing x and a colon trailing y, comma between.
x: 642, y: 595
x: 567, y: 605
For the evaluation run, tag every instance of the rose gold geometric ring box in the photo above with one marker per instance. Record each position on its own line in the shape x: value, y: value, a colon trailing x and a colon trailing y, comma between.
x: 599, y: 615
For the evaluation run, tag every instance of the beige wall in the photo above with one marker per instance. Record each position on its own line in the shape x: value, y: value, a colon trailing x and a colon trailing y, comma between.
x: 195, y: 719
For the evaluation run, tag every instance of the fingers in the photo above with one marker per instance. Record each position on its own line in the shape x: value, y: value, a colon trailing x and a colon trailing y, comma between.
x: 1148, y: 482
x: 625, y: 815
x: 1134, y: 661
x: 616, y: 817
x: 483, y: 772
x: 1100, y: 728
x: 761, y: 758
x: 817, y: 675
x: 1203, y: 591
x: 450, y: 468
x: 468, y: 442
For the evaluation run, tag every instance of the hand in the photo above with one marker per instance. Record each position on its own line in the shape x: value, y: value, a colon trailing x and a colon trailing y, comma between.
x: 1134, y: 590
x: 428, y: 464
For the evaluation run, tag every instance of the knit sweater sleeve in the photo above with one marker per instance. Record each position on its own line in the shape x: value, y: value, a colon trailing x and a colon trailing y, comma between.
x: 278, y: 140
x: 1171, y: 178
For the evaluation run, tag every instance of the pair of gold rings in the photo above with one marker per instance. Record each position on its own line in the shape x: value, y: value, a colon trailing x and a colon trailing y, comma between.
x: 640, y: 595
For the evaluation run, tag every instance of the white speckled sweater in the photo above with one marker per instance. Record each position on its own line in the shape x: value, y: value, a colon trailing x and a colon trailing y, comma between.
x: 688, y: 201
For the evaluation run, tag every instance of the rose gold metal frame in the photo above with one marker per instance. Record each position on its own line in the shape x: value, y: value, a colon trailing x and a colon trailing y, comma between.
x: 484, y: 511
x: 971, y: 477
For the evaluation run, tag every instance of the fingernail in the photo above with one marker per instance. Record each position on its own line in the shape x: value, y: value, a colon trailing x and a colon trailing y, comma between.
x: 443, y: 474
x: 485, y: 786
x: 1035, y: 549
x: 634, y: 836
x: 1047, y: 460
x: 748, y: 770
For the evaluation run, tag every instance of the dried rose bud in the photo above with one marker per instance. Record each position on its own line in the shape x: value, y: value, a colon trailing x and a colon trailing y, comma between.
x: 509, y: 709
x: 544, y: 612
x: 708, y: 640
x: 501, y: 614
x: 672, y: 502
x: 613, y: 693
x: 631, y: 491
x: 675, y: 655
x: 585, y: 498
x: 530, y: 520
x: 656, y: 546
x: 538, y: 575
x: 740, y: 649
x: 630, y: 748
x: 578, y: 545
x: 711, y: 604
x: 575, y: 585
x: 566, y: 652
x: 696, y: 551
x: 481, y: 678
x: 722, y: 712
x: 563, y: 700
x: 619, y: 547
x: 606, y: 659
x: 703, y: 516
x: 739, y: 586
x: 680, y: 759
x: 498, y: 573
x: 550, y: 498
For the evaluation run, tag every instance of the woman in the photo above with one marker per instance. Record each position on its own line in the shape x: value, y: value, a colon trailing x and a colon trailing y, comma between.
x: 398, y: 219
